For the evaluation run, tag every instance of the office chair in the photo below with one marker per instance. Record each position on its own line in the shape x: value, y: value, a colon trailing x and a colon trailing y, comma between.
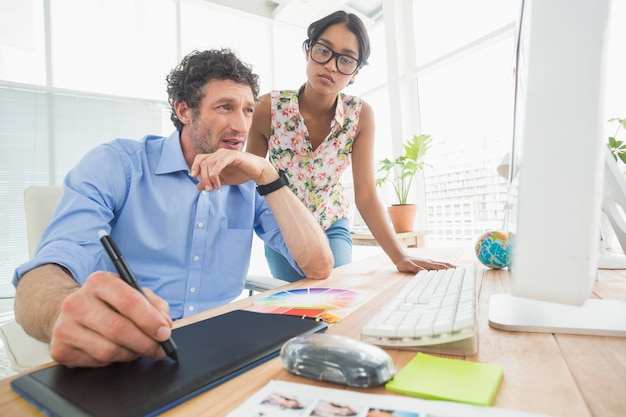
x: 25, y: 352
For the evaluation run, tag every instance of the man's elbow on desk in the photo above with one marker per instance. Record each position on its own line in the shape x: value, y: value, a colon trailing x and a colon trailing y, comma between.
x: 315, y: 275
x: 318, y: 267
x: 321, y: 275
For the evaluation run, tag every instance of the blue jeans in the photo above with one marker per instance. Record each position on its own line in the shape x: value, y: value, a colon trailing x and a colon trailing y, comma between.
x: 340, y: 244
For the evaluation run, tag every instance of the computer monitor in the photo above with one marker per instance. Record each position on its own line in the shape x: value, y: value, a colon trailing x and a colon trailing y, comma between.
x: 559, y: 148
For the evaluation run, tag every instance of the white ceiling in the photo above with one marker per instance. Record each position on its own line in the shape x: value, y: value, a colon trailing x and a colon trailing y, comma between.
x: 303, y: 12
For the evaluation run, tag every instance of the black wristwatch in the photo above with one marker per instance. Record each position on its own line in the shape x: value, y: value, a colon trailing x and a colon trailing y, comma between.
x: 274, y: 185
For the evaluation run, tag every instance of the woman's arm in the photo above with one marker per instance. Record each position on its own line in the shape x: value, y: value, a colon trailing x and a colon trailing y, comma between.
x: 261, y: 127
x: 369, y: 205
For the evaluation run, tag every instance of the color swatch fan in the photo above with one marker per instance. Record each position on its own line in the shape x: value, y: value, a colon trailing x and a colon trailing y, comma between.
x: 311, y: 298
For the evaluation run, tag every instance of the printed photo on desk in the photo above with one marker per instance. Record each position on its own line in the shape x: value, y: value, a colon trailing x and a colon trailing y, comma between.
x: 286, y: 399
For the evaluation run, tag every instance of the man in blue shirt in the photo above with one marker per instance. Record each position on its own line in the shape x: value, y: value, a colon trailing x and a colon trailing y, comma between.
x: 182, y: 209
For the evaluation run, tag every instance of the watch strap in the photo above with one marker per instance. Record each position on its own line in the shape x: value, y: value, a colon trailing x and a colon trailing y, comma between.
x: 274, y: 185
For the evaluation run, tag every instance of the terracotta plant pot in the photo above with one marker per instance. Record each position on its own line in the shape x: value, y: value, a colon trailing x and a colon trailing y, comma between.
x: 403, y: 217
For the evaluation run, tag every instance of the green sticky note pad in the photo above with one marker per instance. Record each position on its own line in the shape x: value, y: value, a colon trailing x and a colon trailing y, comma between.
x: 436, y: 378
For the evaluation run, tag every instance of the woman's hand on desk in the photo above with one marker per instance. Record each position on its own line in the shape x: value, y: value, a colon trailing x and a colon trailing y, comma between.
x: 415, y: 265
x: 106, y: 321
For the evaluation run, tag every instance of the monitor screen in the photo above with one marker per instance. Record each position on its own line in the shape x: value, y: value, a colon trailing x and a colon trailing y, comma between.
x: 557, y: 162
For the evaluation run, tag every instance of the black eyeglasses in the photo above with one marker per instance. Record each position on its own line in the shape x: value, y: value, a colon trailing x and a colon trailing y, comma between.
x: 322, y: 54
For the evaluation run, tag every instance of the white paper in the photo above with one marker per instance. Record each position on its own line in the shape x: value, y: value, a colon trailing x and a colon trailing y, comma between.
x: 288, y: 399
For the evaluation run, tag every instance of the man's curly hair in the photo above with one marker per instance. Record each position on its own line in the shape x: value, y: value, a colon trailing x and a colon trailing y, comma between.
x: 186, y: 82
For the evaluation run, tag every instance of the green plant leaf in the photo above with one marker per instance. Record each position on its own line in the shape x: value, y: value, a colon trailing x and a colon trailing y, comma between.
x: 403, y: 169
x: 622, y: 122
x: 617, y: 147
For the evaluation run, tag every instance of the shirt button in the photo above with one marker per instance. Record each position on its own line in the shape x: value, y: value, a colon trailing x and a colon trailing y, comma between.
x: 191, y: 308
x: 195, y: 258
x: 192, y: 289
x: 200, y: 224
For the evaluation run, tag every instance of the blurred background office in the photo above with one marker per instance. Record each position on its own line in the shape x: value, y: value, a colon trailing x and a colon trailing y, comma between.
x: 76, y: 73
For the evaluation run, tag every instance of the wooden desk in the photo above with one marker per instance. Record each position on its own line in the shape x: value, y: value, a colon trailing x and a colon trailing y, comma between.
x: 558, y: 375
x: 409, y: 239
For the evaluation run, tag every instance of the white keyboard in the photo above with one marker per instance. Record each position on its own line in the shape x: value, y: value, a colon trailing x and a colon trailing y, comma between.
x: 433, y: 308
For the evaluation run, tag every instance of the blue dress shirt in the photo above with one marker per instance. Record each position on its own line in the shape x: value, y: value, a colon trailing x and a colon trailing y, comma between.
x: 190, y: 247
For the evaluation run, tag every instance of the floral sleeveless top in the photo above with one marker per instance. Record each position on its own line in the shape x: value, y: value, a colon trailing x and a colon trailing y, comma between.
x: 314, y: 175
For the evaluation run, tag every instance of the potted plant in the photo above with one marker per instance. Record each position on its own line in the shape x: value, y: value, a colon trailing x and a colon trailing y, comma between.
x: 401, y: 172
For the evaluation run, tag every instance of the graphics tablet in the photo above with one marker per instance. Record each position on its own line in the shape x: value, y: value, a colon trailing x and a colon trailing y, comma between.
x: 210, y: 352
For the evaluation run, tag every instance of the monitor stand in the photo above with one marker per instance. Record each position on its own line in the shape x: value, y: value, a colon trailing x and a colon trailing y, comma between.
x: 611, y: 261
x: 595, y: 317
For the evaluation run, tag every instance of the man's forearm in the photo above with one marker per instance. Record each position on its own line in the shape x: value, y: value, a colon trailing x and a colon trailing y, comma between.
x: 38, y: 298
x: 303, y: 235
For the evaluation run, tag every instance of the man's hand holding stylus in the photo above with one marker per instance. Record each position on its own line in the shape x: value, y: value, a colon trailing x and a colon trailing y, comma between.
x: 105, y: 321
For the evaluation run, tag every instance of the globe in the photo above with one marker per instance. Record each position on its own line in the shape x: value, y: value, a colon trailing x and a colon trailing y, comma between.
x: 493, y: 249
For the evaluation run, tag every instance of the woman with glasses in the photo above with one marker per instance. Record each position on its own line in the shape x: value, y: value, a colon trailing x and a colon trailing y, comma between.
x: 315, y: 132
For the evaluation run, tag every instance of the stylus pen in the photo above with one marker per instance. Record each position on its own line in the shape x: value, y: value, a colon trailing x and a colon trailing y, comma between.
x: 127, y: 275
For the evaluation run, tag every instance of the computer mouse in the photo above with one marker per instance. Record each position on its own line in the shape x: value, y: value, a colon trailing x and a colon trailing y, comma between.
x: 337, y: 359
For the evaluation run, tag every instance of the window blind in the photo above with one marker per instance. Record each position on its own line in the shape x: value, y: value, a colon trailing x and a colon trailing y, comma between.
x: 43, y: 134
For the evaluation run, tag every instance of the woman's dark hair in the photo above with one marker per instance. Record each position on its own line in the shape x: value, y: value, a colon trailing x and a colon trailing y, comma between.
x: 354, y: 24
x: 186, y: 82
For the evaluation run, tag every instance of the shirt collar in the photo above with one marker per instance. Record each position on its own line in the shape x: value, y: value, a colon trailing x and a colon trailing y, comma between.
x: 340, y: 111
x: 172, y: 159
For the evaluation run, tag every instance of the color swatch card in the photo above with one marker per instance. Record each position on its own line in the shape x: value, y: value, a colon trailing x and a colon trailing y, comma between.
x: 437, y: 378
x: 311, y: 298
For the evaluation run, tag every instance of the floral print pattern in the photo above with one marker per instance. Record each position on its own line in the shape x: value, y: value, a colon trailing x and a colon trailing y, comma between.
x: 314, y: 175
